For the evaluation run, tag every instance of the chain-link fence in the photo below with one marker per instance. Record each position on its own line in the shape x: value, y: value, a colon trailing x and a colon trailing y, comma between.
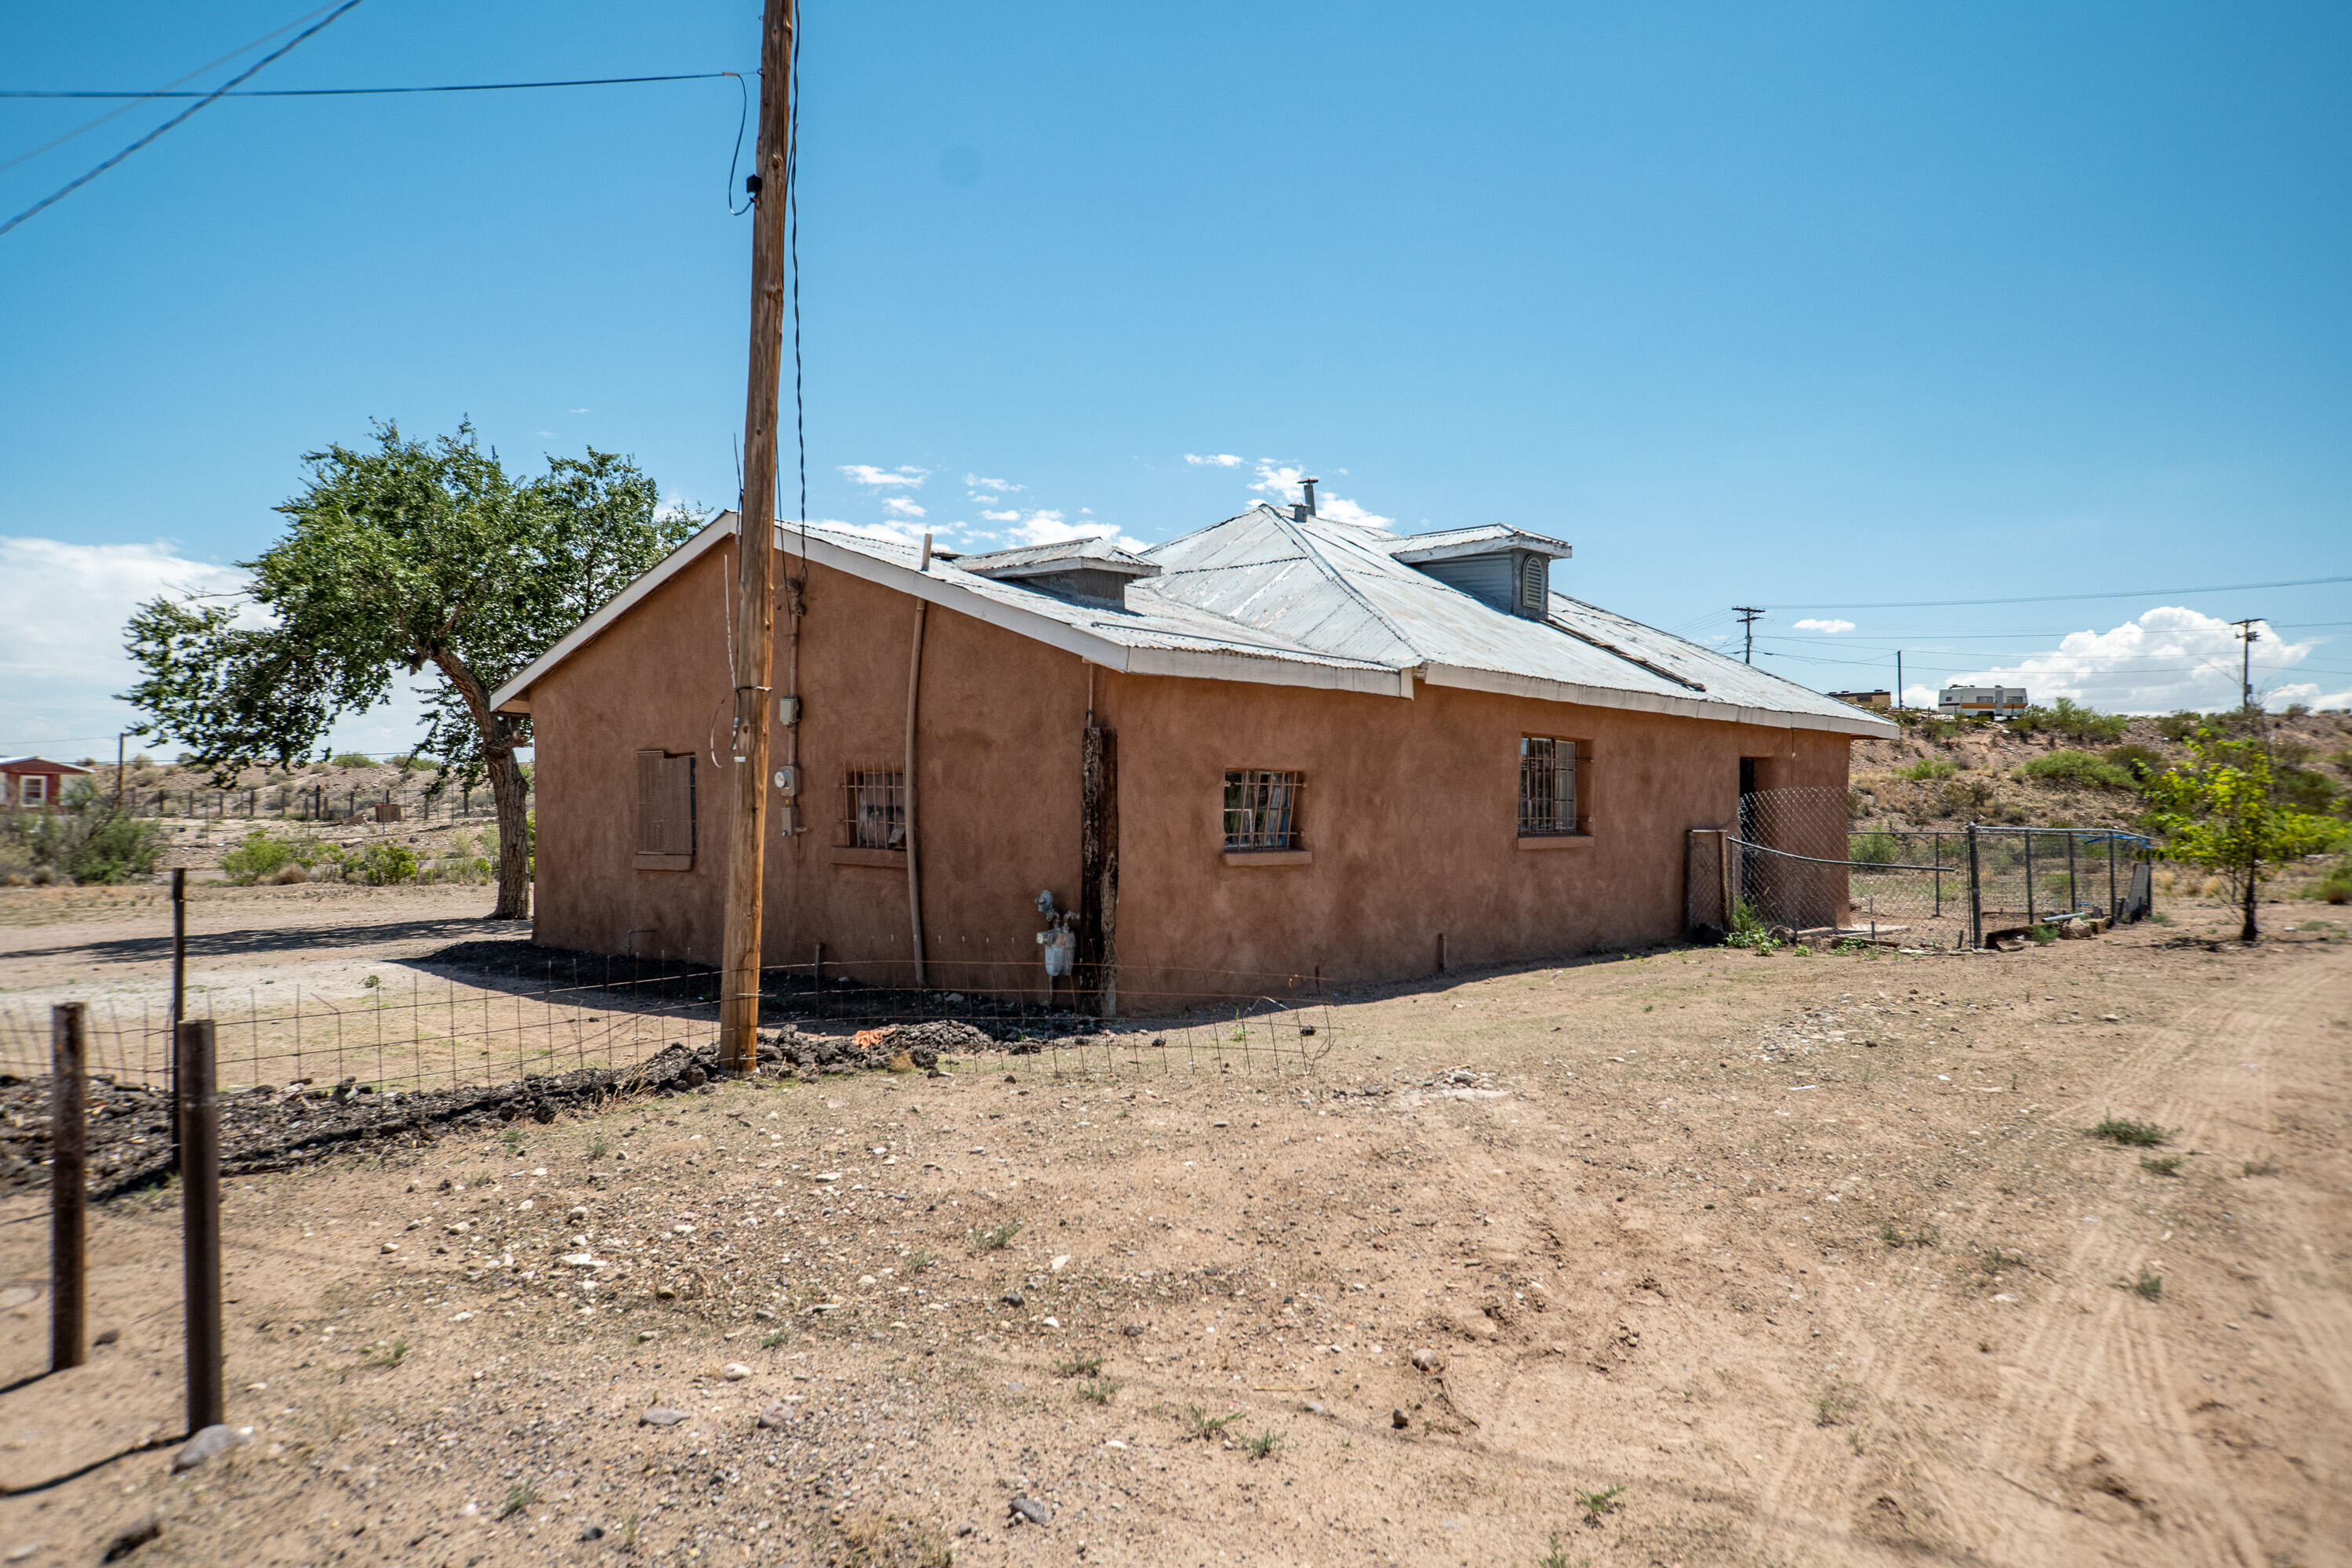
x: 1795, y: 862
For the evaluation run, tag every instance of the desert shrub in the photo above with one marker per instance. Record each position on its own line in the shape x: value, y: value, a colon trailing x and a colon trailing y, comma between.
x: 381, y: 864
x: 351, y: 760
x: 261, y: 855
x: 2304, y: 789
x: 1932, y: 726
x: 2070, y: 721
x: 2181, y: 725
x: 98, y: 847
x: 2137, y: 761
x: 1965, y: 794
x: 1927, y: 768
x: 2077, y: 768
x: 1873, y: 849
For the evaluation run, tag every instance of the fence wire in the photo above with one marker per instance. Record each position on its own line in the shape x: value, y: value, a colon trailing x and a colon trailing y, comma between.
x: 466, y: 1044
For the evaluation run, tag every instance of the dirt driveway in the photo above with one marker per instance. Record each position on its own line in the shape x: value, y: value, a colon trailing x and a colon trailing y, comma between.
x: 1711, y: 1258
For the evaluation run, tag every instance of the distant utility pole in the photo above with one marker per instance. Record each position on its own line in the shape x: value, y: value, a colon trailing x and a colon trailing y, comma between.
x: 1898, y: 677
x: 754, y: 653
x: 2246, y: 664
x: 1748, y: 616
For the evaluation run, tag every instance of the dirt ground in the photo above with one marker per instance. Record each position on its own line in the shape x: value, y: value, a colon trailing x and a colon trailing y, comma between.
x: 1713, y: 1257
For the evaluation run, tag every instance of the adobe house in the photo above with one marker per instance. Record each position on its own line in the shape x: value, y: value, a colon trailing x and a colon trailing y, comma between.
x: 34, y: 783
x: 1281, y: 746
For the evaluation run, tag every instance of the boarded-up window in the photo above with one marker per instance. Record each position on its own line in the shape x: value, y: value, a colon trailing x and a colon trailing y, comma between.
x: 665, y: 812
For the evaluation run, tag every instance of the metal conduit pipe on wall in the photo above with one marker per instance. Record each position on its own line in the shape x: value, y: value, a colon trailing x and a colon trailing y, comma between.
x: 914, y: 700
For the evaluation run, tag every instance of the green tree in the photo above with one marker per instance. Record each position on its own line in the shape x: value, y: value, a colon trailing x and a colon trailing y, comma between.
x: 398, y: 556
x: 2221, y: 810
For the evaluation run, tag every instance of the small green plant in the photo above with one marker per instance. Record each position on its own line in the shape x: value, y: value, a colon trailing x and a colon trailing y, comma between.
x: 916, y: 1262
x: 518, y: 1498
x: 1266, y: 1445
x: 2262, y: 1168
x: 2043, y: 935
x: 1241, y: 1031
x: 2150, y: 1287
x: 2078, y: 768
x: 773, y: 1338
x: 383, y: 865
x: 2162, y: 1165
x: 1927, y: 768
x: 995, y: 1238
x: 1831, y: 1408
x: 1995, y: 1260
x: 1748, y: 929
x: 599, y: 1147
x: 1556, y: 1558
x: 351, y: 760
x: 1080, y: 1366
x: 513, y: 1137
x: 629, y: 1533
x: 2132, y: 1134
x: 1100, y: 1391
x: 1596, y: 1504
x: 1894, y: 1236
x: 391, y: 1355
x: 1199, y: 1423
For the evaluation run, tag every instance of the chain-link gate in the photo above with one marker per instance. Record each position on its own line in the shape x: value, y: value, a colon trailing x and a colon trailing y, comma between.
x: 1793, y: 862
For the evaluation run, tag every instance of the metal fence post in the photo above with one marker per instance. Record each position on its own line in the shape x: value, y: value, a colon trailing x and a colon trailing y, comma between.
x: 2029, y: 876
x: 198, y: 1113
x: 1976, y: 892
x: 68, y: 1187
x: 2073, y: 892
x: 2115, y: 910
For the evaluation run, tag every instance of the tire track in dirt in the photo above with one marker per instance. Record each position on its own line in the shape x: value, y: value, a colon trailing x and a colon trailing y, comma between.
x: 2041, y: 1418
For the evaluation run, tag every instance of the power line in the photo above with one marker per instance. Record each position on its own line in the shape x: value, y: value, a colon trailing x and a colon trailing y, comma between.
x: 184, y: 115
x: 372, y: 91
x: 89, y: 125
x: 2056, y: 598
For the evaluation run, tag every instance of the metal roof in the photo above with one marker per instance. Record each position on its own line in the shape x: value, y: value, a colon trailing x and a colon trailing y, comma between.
x: 1266, y: 596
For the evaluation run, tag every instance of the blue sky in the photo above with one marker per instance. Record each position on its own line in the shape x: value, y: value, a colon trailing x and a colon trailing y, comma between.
x: 1807, y: 306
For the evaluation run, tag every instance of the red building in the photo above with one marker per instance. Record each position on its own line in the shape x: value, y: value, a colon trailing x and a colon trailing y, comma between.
x: 33, y: 783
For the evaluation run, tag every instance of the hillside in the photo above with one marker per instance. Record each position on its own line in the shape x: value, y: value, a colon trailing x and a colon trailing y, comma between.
x: 2082, y: 771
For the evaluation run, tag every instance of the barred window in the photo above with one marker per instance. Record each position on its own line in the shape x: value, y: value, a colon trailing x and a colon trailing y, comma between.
x: 1262, y: 809
x: 665, y: 812
x: 873, y: 809
x: 1546, y: 786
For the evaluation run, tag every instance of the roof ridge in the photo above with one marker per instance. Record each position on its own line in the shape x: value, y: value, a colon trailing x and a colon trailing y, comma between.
x: 1340, y: 580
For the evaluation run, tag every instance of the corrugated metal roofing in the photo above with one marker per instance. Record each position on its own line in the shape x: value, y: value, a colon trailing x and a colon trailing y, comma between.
x: 1267, y: 597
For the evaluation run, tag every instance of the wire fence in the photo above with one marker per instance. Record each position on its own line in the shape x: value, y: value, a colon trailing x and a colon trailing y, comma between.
x: 1795, y: 862
x: 297, y: 803
x: 469, y: 1043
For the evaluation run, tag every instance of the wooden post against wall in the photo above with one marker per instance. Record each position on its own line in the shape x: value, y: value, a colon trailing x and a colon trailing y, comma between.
x: 754, y: 654
x: 1099, y: 870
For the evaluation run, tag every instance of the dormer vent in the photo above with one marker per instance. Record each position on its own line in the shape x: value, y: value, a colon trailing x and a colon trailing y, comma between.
x: 1503, y: 568
x: 1086, y: 571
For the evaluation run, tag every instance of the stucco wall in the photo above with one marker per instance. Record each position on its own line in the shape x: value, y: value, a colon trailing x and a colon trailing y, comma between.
x: 1409, y: 812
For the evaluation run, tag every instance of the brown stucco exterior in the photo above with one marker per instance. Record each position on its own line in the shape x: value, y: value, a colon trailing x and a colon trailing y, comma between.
x: 1409, y: 818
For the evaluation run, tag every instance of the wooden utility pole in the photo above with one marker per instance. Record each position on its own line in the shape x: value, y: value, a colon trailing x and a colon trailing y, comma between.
x: 2246, y: 659
x: 754, y: 653
x: 1748, y: 616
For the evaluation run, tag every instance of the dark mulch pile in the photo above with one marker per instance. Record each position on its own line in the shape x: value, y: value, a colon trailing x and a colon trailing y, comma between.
x: 269, y: 1130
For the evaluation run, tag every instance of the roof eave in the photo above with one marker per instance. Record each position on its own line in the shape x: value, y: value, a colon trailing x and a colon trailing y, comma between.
x: 1509, y: 684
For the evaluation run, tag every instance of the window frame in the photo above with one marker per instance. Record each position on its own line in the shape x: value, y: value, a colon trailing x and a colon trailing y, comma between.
x: 658, y: 772
x: 871, y: 796
x: 1284, y: 785
x: 33, y: 789
x: 1549, y: 829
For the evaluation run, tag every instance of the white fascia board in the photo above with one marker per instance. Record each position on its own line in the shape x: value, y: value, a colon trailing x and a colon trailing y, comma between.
x: 1511, y: 685
x: 514, y: 696
x: 1183, y: 663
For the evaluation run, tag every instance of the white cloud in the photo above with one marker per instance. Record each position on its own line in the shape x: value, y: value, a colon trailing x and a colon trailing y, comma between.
x: 583, y: 411
x: 2168, y: 658
x: 1012, y: 516
x: 900, y: 506
x: 996, y: 487
x: 65, y: 606
x: 867, y: 474
x: 897, y: 533
x: 1044, y: 526
x: 1281, y: 480
x: 1214, y: 459
x: 1832, y: 627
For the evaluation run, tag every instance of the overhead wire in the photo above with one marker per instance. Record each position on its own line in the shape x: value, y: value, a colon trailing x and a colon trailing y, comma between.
x: 186, y: 114
x: 136, y: 99
x: 2057, y: 598
x: 372, y: 91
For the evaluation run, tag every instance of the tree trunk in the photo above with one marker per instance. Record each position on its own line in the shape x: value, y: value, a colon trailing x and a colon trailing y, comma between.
x: 2247, y: 931
x: 507, y: 791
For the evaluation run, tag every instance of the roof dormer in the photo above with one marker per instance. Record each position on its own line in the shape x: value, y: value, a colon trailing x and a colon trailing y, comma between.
x: 1503, y: 568
x: 1091, y: 571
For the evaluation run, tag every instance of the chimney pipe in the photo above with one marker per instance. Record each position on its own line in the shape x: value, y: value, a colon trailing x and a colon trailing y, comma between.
x: 1306, y: 509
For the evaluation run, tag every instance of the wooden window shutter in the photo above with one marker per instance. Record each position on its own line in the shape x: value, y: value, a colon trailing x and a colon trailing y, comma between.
x: 665, y: 812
